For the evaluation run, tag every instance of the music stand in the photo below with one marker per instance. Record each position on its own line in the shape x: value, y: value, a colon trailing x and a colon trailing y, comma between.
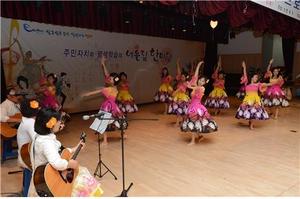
x: 99, y: 125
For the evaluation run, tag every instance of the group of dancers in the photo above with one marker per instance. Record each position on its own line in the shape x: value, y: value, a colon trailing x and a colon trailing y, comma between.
x: 41, y: 120
x: 185, y: 98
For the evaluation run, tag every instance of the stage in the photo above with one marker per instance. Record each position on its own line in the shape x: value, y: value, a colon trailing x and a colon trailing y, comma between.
x: 234, y: 161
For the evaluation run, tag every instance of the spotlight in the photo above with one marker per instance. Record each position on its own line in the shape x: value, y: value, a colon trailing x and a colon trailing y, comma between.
x: 213, y: 24
x: 141, y: 1
x: 127, y: 21
x: 184, y: 30
x: 173, y: 28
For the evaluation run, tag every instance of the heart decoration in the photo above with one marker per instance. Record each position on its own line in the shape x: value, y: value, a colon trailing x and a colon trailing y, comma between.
x: 213, y: 24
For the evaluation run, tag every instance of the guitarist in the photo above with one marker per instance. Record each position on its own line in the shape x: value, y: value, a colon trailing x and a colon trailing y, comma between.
x: 45, y: 149
x: 25, y: 135
x: 10, y: 107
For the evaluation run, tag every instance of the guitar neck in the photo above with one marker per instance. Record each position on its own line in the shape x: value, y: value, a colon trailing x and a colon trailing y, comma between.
x: 76, y: 152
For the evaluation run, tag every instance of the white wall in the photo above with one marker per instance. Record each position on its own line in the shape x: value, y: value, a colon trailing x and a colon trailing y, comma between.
x: 243, y: 43
x: 84, y: 72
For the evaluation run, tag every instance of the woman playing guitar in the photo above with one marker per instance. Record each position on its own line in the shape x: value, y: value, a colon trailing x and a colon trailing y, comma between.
x: 45, y: 150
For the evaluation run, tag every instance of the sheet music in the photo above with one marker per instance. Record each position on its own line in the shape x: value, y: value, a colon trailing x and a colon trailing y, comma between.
x: 100, y: 125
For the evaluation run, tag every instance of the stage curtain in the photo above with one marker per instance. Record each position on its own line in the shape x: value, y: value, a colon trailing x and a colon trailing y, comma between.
x: 210, y: 61
x: 288, y: 49
x: 108, y: 16
x: 248, y: 13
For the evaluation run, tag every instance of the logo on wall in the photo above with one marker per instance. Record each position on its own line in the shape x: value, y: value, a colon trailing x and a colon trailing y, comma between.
x: 139, y: 54
x: 56, y: 32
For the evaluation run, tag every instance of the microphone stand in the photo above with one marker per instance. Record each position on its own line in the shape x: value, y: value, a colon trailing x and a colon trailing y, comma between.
x: 98, y: 170
x: 121, y: 121
x: 124, y: 191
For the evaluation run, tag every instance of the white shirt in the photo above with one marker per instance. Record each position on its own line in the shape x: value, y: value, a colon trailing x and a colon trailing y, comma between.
x: 7, y: 109
x: 25, y: 134
x: 46, y: 148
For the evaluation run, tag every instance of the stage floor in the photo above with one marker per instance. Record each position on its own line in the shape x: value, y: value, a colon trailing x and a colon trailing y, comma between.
x: 234, y: 161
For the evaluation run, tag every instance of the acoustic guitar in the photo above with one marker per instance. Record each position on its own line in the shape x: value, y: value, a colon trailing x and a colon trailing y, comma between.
x: 6, y: 130
x: 25, y: 155
x: 53, y: 183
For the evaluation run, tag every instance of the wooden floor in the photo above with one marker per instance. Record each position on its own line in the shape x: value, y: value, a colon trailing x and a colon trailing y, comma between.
x: 235, y: 161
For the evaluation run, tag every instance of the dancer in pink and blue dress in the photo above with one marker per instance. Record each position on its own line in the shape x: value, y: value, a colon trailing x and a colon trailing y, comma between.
x: 251, y: 107
x: 197, y: 119
x: 241, y: 93
x: 109, y: 104
x: 49, y: 99
x: 125, y: 100
x: 180, y: 98
x: 165, y: 90
x: 217, y: 98
x: 274, y: 96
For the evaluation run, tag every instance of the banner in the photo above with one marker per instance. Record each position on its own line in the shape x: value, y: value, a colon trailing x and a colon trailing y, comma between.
x: 74, y: 54
x: 287, y: 7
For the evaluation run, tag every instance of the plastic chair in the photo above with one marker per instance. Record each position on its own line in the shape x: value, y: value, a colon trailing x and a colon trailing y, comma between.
x: 8, y: 151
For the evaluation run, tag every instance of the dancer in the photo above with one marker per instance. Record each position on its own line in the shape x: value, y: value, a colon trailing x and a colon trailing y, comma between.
x: 180, y: 99
x: 218, y: 99
x: 110, y: 93
x: 287, y: 88
x: 165, y: 90
x: 197, y: 119
x: 274, y: 97
x: 60, y: 85
x: 45, y: 149
x: 241, y: 93
x: 251, y: 107
x: 49, y: 95
x: 125, y: 100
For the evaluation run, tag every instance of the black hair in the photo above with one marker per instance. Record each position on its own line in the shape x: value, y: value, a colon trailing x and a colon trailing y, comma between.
x: 279, y: 70
x: 123, y: 74
x: 254, y: 71
x: 162, y: 74
x: 27, y: 110
x: 202, y: 76
x: 23, y: 79
x: 53, y: 76
x: 221, y: 72
x: 115, y: 77
x: 63, y: 74
x: 42, y: 118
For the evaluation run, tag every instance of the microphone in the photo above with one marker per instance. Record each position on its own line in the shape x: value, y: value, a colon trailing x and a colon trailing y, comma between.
x: 86, y: 117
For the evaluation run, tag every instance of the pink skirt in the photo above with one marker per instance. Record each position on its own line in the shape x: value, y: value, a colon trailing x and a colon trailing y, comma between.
x: 274, y: 96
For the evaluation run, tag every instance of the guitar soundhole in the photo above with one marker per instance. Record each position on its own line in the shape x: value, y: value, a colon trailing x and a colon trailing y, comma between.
x: 43, y: 193
x: 70, y: 175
